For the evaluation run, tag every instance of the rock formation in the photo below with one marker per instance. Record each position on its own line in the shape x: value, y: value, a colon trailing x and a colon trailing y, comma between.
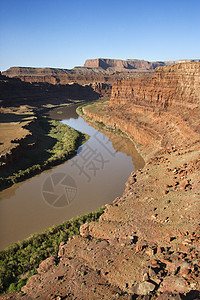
x: 172, y: 86
x: 16, y: 137
x: 156, y: 110
x: 120, y: 65
x: 56, y: 76
x: 99, y: 70
x: 95, y: 77
x: 16, y: 92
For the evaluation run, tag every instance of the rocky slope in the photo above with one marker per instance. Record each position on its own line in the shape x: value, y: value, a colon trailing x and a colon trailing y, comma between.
x: 146, y: 244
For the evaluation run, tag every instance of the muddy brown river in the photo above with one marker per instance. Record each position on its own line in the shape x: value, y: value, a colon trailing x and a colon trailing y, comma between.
x: 94, y: 177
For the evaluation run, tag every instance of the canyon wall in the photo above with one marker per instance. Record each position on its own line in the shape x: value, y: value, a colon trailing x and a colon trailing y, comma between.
x: 80, y: 75
x: 98, y: 80
x: 100, y: 70
x: 56, y: 76
x: 156, y: 111
x: 16, y: 92
x: 102, y: 73
x: 128, y: 64
x: 171, y: 86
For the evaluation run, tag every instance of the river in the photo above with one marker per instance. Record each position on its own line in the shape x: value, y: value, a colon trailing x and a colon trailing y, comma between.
x: 94, y: 177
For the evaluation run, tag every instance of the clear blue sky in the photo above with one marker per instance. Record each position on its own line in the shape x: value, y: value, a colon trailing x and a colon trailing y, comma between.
x: 64, y: 33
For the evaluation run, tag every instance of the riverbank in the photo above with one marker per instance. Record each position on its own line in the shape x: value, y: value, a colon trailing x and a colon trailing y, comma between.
x: 18, y: 280
x: 21, y: 260
x: 46, y: 143
x: 101, y: 115
x: 96, y: 115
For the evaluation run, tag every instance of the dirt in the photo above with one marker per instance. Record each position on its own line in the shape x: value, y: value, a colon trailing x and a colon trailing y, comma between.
x: 14, y: 132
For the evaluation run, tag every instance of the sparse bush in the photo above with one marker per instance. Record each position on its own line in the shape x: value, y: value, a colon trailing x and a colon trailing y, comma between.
x: 12, y: 288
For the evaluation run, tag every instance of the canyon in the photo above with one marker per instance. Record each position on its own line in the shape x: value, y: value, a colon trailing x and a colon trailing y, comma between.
x: 95, y: 71
x: 146, y: 244
x: 20, y: 102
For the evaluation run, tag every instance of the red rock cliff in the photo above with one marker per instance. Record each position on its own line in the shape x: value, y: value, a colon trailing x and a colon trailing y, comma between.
x: 128, y: 64
x: 157, y: 111
x: 171, y: 86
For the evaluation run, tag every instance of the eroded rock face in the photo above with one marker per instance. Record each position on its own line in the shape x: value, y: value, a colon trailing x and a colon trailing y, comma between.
x: 172, y: 86
x: 98, y: 77
x: 129, y: 64
x: 157, y: 111
x: 46, y: 265
x: 56, y: 76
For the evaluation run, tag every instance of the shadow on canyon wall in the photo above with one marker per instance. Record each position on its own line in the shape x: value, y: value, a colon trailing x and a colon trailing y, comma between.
x: 15, y: 92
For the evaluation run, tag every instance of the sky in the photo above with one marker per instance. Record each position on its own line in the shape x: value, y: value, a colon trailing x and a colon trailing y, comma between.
x: 64, y: 33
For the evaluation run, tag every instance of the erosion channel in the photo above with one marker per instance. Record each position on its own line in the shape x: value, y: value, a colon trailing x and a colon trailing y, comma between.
x: 94, y: 177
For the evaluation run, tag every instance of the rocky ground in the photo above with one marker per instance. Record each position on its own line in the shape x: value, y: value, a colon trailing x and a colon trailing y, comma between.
x: 146, y: 244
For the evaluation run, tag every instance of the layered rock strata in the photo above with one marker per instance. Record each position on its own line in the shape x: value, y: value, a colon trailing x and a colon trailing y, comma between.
x: 80, y: 75
x: 128, y: 64
x: 157, y: 111
x: 170, y: 87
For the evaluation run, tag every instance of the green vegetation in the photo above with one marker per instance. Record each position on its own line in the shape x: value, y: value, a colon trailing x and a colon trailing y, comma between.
x: 100, y: 125
x: 21, y: 260
x: 79, y: 110
x: 93, y: 107
x: 56, y: 142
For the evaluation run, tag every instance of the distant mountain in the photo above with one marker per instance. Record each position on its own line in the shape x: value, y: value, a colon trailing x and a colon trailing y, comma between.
x: 94, y: 70
x: 114, y: 65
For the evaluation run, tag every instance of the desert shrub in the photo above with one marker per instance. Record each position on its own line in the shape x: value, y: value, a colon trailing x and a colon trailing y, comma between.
x: 99, y: 124
x: 12, y: 288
